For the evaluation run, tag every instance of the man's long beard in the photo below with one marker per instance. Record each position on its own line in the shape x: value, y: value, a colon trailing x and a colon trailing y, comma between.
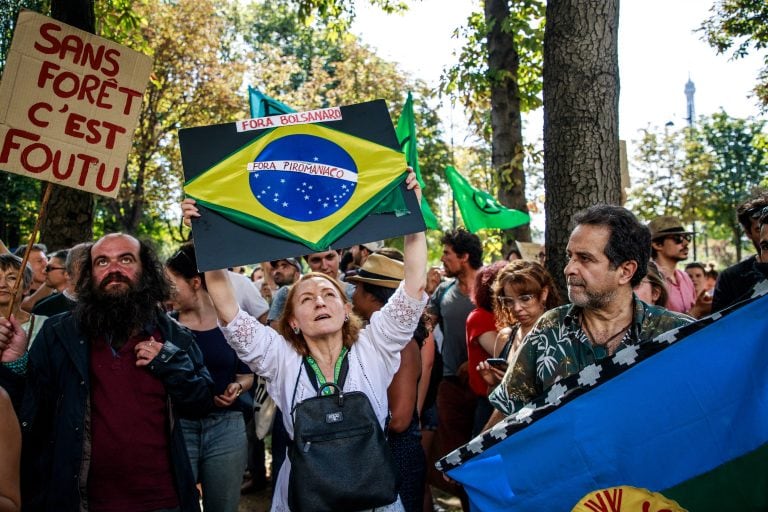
x: 116, y: 315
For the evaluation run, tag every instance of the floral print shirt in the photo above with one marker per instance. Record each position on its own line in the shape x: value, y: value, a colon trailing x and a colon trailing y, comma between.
x: 557, y: 347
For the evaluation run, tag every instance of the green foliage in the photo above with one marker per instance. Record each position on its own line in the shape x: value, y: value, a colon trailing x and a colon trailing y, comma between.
x: 738, y: 150
x: 19, y: 196
x: 740, y: 26
x: 470, y: 79
x: 701, y: 174
x: 19, y: 203
x: 192, y: 84
x: 9, y: 10
x: 660, y: 165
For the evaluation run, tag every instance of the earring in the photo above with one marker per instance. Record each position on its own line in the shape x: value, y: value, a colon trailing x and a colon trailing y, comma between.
x: 346, y: 318
x: 296, y: 330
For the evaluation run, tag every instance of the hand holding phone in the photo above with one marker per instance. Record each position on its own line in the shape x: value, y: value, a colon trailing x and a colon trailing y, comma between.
x: 497, y: 362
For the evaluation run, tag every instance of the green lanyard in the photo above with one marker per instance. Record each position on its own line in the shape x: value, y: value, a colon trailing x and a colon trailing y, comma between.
x: 336, y: 370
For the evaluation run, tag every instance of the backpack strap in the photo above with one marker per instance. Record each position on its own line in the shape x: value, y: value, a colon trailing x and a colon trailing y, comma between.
x: 305, y: 364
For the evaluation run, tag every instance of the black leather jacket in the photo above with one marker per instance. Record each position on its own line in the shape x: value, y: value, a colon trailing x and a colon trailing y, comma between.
x: 53, y: 405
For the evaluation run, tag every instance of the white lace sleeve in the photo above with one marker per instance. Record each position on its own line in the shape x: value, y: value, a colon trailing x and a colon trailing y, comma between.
x: 404, y: 310
x: 392, y: 326
x: 255, y: 344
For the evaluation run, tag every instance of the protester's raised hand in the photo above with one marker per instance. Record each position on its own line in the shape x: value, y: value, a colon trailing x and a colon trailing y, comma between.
x: 13, y: 339
x: 189, y: 211
x: 413, y: 184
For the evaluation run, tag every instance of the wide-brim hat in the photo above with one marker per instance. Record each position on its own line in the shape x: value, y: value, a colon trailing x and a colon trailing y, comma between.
x: 666, y: 225
x: 380, y: 271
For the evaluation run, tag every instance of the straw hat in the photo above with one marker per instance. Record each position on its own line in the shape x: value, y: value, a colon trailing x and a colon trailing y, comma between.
x: 380, y: 271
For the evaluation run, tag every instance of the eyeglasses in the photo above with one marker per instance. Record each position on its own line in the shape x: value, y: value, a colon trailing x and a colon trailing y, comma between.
x: 523, y: 300
x: 679, y: 238
x: 48, y: 268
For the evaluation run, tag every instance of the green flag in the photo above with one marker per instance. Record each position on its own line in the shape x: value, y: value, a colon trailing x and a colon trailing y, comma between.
x: 480, y: 209
x: 406, y: 135
x: 263, y: 105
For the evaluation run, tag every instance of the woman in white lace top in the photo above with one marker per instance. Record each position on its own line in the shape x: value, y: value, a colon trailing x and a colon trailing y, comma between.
x: 318, y: 322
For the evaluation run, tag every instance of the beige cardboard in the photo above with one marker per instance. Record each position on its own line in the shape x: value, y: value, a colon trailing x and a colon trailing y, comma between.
x: 69, y: 104
x: 529, y: 251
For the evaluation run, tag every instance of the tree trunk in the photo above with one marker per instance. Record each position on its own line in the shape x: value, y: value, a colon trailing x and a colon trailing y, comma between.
x: 70, y: 212
x: 581, y: 111
x: 506, y: 121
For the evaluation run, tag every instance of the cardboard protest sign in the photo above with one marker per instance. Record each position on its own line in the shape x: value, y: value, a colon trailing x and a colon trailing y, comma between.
x: 69, y: 104
x: 296, y: 183
x: 529, y: 251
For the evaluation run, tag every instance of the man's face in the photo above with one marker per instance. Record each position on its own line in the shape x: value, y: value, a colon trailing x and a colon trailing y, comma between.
x: 115, y: 264
x: 592, y: 283
x: 56, y: 273
x: 453, y: 264
x: 283, y: 273
x: 673, y: 247
x: 326, y: 262
x: 763, y: 256
x: 38, y: 260
x: 698, y: 278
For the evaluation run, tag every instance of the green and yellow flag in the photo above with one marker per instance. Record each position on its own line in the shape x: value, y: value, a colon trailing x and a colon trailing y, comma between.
x: 480, y: 209
x: 304, y: 182
x: 406, y: 136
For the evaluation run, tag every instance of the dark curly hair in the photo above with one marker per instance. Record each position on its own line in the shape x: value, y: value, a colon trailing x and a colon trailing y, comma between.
x: 463, y: 242
x: 630, y: 240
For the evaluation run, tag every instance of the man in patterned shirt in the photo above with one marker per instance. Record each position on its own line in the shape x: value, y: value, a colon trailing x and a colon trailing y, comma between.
x: 608, y: 254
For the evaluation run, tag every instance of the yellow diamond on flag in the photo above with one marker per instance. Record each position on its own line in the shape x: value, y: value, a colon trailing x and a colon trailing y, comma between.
x: 307, y: 183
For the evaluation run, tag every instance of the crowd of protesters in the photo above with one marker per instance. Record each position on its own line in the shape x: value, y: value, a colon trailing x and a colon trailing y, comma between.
x: 139, y: 385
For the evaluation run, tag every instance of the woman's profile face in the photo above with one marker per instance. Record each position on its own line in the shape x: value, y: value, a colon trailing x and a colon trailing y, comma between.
x: 318, y: 308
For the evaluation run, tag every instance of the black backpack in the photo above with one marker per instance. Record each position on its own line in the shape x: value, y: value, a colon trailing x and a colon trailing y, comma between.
x: 340, y: 459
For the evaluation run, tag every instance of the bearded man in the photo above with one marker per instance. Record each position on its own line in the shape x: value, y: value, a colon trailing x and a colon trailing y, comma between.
x: 608, y: 253
x: 98, y: 392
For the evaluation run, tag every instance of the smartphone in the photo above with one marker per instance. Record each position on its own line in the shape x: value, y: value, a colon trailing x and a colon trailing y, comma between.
x: 497, y: 362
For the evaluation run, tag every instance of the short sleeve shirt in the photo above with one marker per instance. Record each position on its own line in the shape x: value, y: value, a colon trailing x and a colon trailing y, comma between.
x: 453, y: 308
x: 558, y: 347
x: 682, y: 295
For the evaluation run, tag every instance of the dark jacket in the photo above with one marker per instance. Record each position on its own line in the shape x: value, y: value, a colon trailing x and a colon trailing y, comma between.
x: 53, y: 405
x: 735, y: 283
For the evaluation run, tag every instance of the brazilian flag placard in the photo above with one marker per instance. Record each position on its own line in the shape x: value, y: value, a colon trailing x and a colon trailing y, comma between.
x: 292, y: 189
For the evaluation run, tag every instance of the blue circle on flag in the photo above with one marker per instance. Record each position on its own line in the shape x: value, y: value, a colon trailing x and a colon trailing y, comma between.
x: 303, y: 177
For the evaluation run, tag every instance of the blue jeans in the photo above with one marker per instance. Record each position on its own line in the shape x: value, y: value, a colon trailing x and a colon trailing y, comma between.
x: 218, y: 451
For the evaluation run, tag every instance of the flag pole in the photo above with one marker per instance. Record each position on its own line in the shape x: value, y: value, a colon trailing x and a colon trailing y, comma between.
x: 453, y: 164
x: 30, y: 243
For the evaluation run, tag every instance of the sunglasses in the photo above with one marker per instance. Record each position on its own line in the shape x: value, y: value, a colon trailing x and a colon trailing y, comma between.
x: 49, y: 268
x: 679, y: 238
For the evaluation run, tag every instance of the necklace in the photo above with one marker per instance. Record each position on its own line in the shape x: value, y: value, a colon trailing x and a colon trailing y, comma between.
x: 608, y: 339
